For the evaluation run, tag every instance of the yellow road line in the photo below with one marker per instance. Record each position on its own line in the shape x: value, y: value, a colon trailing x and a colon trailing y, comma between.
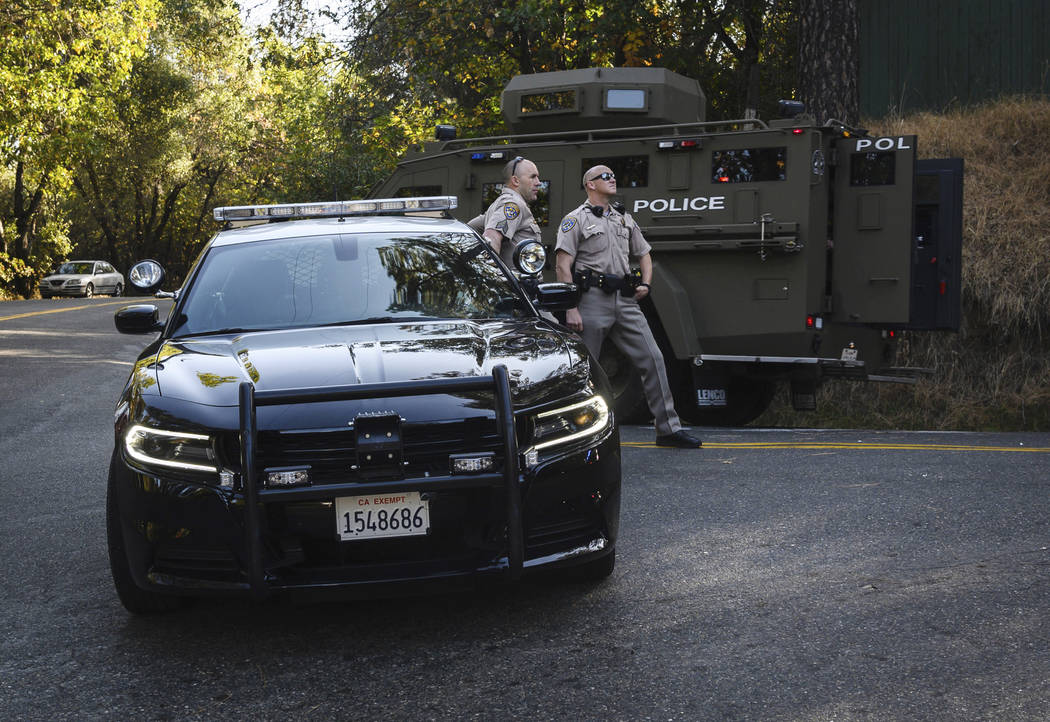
x: 62, y: 310
x: 848, y: 446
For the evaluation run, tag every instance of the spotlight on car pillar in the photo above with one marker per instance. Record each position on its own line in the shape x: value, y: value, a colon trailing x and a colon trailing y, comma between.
x: 146, y: 276
x: 445, y: 132
x: 530, y: 257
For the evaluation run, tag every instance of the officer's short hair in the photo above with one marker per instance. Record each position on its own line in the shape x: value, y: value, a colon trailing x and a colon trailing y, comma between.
x: 511, y: 166
x: 587, y: 172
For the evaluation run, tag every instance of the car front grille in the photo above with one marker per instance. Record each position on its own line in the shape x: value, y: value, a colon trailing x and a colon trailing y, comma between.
x: 332, y: 454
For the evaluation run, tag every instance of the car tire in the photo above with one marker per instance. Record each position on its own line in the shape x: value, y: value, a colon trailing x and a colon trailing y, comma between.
x: 134, y: 599
x: 118, y: 290
x: 89, y: 291
x: 596, y: 570
x: 45, y: 296
x: 625, y: 381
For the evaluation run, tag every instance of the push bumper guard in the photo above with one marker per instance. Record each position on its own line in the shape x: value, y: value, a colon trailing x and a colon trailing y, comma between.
x: 509, y: 479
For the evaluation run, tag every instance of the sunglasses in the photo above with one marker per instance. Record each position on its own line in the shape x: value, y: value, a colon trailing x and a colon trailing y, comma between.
x: 603, y: 176
x: 514, y: 167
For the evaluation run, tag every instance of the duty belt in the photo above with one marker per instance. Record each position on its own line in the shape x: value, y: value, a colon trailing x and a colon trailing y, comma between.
x: 610, y: 283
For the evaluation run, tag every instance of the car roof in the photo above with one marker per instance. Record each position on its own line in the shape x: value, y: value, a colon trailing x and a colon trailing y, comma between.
x: 328, y: 226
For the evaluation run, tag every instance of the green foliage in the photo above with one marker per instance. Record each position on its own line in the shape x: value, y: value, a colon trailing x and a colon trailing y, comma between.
x: 457, y: 55
x: 57, y: 59
x: 12, y: 268
x: 182, y: 121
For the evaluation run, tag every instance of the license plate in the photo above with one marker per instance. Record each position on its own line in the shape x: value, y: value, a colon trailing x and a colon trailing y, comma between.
x: 372, y: 516
x: 849, y: 354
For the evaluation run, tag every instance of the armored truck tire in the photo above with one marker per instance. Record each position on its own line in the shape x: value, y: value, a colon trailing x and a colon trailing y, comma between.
x: 746, y: 399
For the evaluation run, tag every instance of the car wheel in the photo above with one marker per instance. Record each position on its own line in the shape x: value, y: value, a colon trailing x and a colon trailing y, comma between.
x: 596, y: 570
x: 45, y: 295
x: 89, y: 291
x: 626, y: 384
x: 119, y: 290
x: 134, y: 599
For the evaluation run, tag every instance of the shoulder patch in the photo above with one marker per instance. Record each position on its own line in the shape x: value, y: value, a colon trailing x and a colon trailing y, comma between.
x: 511, y: 211
x: 568, y: 224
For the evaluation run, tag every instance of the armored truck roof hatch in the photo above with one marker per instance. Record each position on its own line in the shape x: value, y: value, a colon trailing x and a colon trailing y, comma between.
x: 601, y: 98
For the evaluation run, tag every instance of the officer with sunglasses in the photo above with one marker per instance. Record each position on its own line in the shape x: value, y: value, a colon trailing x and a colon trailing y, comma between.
x: 595, y: 245
x: 508, y: 221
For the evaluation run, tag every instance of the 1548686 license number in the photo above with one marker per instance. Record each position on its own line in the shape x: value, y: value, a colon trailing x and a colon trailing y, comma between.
x: 381, y: 515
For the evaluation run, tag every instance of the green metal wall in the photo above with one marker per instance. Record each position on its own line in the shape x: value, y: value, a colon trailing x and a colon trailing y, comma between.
x: 935, y: 54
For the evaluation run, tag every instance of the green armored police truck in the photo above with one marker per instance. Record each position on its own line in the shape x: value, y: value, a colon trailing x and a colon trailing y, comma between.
x: 783, y: 251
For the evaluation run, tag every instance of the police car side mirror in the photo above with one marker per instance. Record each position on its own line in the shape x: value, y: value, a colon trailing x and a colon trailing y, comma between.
x: 557, y: 296
x: 137, y: 319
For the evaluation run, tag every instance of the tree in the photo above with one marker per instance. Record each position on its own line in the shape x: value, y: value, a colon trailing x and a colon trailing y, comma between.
x: 828, y: 63
x: 181, y: 122
x: 56, y: 60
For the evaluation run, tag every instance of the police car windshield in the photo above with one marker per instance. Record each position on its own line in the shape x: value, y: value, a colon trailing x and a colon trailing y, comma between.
x: 346, y: 278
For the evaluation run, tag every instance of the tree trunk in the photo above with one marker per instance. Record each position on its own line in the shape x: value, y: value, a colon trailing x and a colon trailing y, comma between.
x: 25, y: 222
x: 828, y: 63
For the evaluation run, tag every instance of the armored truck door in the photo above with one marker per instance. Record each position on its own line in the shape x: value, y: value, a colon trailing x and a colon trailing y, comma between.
x: 936, y: 283
x: 872, y: 230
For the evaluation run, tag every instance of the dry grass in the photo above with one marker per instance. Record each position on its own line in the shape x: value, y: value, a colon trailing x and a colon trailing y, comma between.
x: 995, y: 373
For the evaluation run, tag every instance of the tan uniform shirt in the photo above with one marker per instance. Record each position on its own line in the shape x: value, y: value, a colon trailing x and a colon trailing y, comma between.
x: 605, y: 244
x: 510, y: 215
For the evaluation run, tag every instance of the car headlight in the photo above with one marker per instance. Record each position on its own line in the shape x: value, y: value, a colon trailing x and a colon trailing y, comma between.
x: 530, y: 256
x: 587, y: 419
x: 179, y: 450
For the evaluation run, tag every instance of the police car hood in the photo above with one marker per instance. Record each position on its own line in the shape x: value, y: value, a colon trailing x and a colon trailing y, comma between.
x: 209, y: 370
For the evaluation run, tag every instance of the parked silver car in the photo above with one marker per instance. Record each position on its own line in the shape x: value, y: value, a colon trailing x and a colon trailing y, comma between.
x: 82, y: 278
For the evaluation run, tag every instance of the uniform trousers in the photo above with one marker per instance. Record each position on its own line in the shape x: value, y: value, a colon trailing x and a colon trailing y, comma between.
x: 618, y: 318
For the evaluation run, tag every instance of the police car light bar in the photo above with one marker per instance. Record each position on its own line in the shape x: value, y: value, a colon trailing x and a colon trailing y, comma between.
x: 379, y: 206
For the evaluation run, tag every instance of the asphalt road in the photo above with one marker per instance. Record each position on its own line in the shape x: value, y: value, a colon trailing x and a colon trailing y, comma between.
x: 775, y: 574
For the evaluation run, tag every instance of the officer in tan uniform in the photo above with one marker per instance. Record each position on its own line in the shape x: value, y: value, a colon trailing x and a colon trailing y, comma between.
x: 508, y: 221
x: 595, y: 244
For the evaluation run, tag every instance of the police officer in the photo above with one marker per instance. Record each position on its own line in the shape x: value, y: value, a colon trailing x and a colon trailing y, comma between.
x: 508, y: 221
x: 595, y: 244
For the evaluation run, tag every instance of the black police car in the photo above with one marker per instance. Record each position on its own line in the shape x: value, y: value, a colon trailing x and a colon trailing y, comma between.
x: 356, y: 395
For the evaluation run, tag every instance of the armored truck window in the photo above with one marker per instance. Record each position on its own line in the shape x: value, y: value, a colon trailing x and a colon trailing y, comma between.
x: 541, y: 207
x: 561, y: 101
x: 632, y: 171
x: 626, y: 99
x: 417, y: 191
x: 872, y: 169
x: 749, y: 165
